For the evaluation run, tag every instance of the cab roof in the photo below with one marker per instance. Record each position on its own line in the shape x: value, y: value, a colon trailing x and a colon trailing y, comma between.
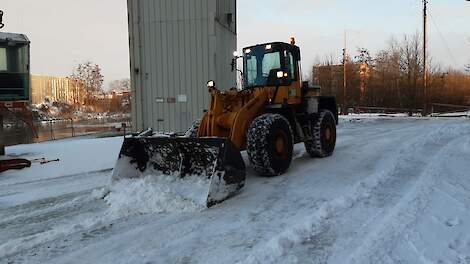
x: 13, y: 38
x: 278, y: 46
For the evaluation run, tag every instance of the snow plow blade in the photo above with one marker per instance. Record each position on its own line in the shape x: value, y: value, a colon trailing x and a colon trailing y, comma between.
x: 215, y: 160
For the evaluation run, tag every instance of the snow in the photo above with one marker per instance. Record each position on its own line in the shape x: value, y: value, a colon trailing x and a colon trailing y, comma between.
x: 77, y: 156
x: 158, y: 194
x: 396, y: 190
x: 454, y: 114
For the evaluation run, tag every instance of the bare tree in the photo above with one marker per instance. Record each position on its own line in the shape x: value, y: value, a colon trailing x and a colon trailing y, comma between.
x: 123, y: 84
x: 394, y: 78
x: 90, y: 74
x: 411, y: 65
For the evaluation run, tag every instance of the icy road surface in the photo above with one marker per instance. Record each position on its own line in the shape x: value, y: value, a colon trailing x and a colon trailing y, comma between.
x: 397, y: 190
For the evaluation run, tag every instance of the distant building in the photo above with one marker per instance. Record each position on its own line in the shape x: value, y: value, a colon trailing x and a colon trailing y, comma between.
x: 57, y: 89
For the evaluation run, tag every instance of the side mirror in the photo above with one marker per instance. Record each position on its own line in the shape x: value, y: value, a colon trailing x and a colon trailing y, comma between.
x: 278, y: 77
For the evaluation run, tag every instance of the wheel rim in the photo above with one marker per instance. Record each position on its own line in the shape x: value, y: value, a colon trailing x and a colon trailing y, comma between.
x: 280, y: 144
x: 329, y: 137
x: 328, y: 134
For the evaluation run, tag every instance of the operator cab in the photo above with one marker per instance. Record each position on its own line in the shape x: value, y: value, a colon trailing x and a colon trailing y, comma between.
x: 264, y: 63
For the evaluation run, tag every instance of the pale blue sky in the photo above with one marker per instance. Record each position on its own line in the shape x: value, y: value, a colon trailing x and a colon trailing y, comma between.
x: 319, y: 25
x: 65, y: 32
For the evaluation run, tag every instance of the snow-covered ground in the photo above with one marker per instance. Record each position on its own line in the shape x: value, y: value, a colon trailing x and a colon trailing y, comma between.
x: 397, y: 190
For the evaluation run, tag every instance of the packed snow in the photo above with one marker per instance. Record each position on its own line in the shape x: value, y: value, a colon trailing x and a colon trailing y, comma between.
x: 396, y: 190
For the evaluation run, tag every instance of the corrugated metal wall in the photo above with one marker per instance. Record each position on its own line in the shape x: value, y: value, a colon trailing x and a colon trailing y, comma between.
x: 176, y: 46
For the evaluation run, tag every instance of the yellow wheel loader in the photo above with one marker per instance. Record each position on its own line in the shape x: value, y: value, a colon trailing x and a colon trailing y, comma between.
x: 273, y: 111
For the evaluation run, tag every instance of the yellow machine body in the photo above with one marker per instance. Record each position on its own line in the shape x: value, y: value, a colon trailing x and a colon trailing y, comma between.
x: 231, y: 113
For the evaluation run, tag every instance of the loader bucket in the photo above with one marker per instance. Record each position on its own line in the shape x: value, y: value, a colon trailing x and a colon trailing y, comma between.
x: 215, y: 160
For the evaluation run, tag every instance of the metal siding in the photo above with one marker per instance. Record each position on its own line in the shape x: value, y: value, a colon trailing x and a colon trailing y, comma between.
x: 193, y: 59
x: 160, y: 114
x: 164, y: 62
x: 199, y: 72
x: 147, y: 65
x: 205, y: 48
x: 178, y: 46
x: 134, y: 51
x: 153, y: 67
x: 187, y: 66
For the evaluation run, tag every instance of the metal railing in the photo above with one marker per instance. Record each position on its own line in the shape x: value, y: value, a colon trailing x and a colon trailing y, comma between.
x: 449, y: 110
x: 15, y: 133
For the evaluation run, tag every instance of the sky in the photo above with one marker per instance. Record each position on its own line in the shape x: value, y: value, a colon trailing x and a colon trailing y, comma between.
x: 66, y: 32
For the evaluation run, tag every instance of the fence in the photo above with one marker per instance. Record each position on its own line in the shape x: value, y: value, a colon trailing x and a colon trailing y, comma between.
x: 385, y: 110
x: 54, y: 129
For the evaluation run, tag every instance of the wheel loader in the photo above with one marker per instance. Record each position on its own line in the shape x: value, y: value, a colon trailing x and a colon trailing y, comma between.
x: 273, y: 111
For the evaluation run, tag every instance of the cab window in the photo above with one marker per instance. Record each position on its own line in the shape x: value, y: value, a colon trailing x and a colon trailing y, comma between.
x: 258, y: 66
x: 291, y: 64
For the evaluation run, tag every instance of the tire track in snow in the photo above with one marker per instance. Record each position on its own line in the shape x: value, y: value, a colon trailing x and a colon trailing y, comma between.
x: 58, y: 201
x: 402, y: 215
x: 55, y: 180
x: 275, y: 207
x: 49, y: 212
x: 278, y: 248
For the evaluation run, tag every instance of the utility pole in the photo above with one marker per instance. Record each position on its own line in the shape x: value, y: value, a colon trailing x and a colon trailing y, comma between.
x: 345, y: 75
x: 425, y: 67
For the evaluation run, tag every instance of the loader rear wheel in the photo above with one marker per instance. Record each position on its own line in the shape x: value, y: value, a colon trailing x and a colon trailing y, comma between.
x: 270, y: 144
x: 324, y: 135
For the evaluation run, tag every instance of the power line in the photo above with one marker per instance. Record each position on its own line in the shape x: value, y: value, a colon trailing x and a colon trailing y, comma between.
x: 449, y: 51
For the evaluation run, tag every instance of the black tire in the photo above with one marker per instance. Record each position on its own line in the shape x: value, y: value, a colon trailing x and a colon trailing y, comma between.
x: 324, y: 135
x: 192, y: 132
x: 270, y: 144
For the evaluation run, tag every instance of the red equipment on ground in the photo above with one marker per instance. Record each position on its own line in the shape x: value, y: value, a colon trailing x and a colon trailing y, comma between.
x: 14, y: 164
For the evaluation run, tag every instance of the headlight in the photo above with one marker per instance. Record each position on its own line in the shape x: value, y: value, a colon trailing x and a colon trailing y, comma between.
x: 211, y: 84
x: 280, y: 74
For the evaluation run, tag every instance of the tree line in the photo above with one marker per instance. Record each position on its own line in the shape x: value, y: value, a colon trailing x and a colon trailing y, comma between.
x: 393, y: 78
x: 97, y: 100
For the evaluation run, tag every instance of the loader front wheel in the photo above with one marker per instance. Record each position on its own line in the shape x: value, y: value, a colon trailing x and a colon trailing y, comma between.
x: 270, y: 144
x: 324, y: 135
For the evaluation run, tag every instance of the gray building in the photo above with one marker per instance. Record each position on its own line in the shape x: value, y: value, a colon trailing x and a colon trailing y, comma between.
x: 176, y: 46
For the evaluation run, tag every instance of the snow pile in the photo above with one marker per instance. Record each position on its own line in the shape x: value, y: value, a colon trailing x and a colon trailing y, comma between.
x: 157, y: 194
